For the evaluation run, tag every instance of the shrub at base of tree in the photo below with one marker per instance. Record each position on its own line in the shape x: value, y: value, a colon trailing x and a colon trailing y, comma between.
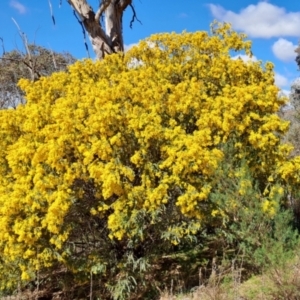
x: 130, y: 170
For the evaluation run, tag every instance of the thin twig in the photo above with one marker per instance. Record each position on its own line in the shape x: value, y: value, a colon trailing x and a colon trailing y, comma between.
x: 51, y: 12
x: 134, y: 17
x: 2, y: 43
x: 25, y: 43
x: 53, y: 59
x: 83, y: 32
x: 91, y: 286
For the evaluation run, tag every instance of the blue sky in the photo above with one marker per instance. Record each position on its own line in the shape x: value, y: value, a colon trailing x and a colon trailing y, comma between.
x: 273, y: 26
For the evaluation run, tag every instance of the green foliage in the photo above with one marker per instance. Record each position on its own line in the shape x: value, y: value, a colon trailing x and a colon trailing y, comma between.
x: 256, y: 238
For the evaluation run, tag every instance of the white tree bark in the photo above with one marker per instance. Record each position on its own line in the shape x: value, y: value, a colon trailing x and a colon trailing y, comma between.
x: 104, y: 40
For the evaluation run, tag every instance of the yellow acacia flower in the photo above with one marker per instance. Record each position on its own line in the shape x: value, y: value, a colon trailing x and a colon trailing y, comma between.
x: 118, y: 138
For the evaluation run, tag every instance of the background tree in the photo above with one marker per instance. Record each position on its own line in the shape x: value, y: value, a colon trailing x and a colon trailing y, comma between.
x: 293, y: 113
x: 15, y: 65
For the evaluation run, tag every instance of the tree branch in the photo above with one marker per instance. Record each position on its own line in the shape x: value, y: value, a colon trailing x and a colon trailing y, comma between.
x: 83, y: 32
x: 51, y: 12
x: 104, y: 4
x: 134, y: 17
x: 82, y: 8
x: 96, y: 33
x: 122, y: 4
x: 31, y: 65
x: 53, y: 59
x: 28, y: 65
x: 104, y: 39
x: 2, y: 43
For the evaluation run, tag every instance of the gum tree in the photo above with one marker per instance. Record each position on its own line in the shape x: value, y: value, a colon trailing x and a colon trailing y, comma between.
x: 107, y: 38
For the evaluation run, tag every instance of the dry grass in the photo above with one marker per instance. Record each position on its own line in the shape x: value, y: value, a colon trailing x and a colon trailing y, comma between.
x: 276, y: 284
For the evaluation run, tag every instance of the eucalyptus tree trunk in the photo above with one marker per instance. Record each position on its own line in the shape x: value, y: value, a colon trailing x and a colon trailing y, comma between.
x: 105, y: 40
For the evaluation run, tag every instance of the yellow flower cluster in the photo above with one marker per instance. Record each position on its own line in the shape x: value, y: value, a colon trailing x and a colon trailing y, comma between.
x: 145, y: 129
x: 271, y: 205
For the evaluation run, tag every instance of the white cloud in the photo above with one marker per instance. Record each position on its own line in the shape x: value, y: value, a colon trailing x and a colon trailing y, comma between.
x: 263, y: 20
x: 285, y: 92
x: 280, y: 80
x: 284, y: 50
x: 18, y: 6
x: 244, y: 57
x: 129, y: 46
x: 134, y: 63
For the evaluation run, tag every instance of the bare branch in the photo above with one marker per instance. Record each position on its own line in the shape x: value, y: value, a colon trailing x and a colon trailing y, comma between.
x: 83, y: 32
x: 28, y: 65
x: 25, y: 43
x: 122, y: 4
x: 53, y: 59
x: 104, y: 4
x: 51, y: 12
x: 23, y: 37
x: 2, y: 43
x: 82, y: 8
x: 103, y: 50
x: 134, y: 17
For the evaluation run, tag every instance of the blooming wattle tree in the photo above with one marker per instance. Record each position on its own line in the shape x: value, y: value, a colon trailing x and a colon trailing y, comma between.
x: 113, y: 158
